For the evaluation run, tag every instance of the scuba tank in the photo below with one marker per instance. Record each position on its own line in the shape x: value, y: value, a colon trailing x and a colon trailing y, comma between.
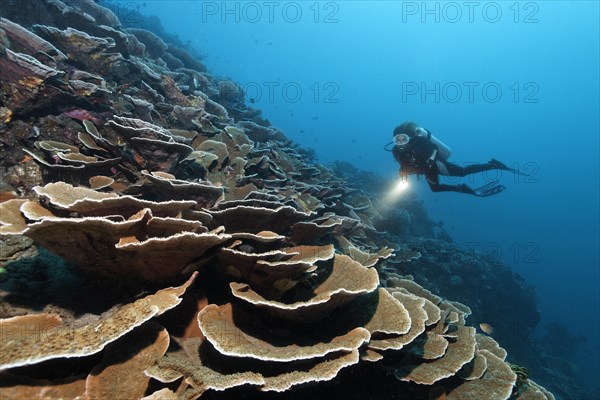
x: 444, y: 152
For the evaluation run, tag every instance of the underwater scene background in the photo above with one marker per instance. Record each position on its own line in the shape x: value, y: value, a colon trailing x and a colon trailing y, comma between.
x: 317, y: 88
x: 517, y: 81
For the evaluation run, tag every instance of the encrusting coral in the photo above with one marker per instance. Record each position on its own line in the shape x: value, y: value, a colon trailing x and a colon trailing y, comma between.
x: 273, y: 263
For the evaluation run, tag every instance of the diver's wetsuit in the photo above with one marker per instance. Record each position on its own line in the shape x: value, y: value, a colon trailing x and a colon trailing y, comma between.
x: 419, y: 156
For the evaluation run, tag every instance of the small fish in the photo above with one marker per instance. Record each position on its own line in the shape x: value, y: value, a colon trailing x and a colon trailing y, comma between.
x: 122, y: 88
x: 487, y: 328
x: 84, y: 115
x: 139, y: 159
x: 26, y: 159
x: 303, y: 204
x: 7, y: 116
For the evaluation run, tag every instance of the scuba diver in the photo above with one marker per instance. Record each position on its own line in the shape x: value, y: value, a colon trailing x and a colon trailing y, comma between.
x: 418, y: 152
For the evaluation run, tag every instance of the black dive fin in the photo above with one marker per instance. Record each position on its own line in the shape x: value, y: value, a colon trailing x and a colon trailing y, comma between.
x: 516, y: 171
x: 487, y: 186
x: 501, y: 166
x: 490, y: 189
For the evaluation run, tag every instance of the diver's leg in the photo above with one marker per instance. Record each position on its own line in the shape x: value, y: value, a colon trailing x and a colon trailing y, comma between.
x: 490, y: 189
x: 504, y: 167
x: 447, y: 168
x: 436, y: 186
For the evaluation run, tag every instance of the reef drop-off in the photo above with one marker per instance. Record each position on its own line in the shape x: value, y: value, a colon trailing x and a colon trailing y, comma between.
x: 161, y: 240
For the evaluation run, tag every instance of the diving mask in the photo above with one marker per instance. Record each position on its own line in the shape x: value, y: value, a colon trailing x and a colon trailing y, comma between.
x: 401, y: 139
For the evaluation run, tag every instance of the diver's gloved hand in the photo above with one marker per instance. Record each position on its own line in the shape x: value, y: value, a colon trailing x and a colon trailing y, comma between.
x: 403, y: 175
x: 490, y: 189
x: 430, y: 163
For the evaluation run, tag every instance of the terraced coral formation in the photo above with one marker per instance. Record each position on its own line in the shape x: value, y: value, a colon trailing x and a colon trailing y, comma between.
x: 156, y: 176
x: 113, y: 236
x: 58, y: 341
x: 293, y: 314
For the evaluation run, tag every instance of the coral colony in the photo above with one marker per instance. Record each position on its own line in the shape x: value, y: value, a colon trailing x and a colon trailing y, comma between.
x: 206, y: 254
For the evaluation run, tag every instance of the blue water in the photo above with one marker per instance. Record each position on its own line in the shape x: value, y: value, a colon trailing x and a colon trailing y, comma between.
x: 513, y: 81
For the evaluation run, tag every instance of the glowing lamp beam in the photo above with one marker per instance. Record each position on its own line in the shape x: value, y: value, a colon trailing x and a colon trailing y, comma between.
x: 399, y: 186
